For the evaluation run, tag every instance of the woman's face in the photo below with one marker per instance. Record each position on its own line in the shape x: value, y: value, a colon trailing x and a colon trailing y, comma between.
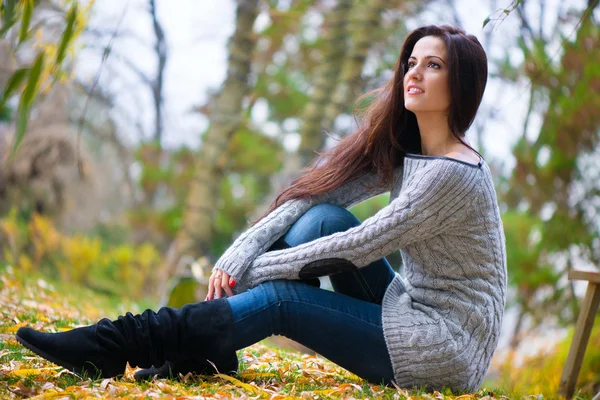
x: 426, y: 87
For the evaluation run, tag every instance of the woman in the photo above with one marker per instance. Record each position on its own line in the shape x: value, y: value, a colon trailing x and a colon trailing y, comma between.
x: 437, y: 326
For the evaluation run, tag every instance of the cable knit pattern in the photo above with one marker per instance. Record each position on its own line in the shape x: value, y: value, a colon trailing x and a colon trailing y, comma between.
x: 442, y: 319
x: 256, y: 240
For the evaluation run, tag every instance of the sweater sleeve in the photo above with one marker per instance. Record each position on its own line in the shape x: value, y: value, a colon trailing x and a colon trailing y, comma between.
x: 257, y: 239
x: 434, y: 200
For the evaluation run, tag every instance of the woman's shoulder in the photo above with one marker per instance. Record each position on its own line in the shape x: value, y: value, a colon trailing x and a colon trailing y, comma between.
x: 463, y: 153
x: 441, y: 173
x: 468, y: 157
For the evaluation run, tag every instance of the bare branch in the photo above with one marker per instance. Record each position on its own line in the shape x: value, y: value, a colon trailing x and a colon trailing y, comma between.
x: 160, y: 48
x: 110, y: 136
x: 526, y: 29
x: 529, y: 110
x: 455, y: 15
x: 99, y: 33
x: 542, y: 15
x: 85, y: 107
x: 125, y: 60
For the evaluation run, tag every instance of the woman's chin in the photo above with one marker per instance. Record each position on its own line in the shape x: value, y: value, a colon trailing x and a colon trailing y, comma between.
x: 411, y: 106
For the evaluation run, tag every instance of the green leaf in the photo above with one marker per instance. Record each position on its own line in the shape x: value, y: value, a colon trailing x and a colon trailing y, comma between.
x: 25, y: 20
x: 34, y: 77
x: 21, y: 125
x: 487, y: 20
x: 67, y: 34
x: 8, y: 15
x: 5, y: 114
x: 13, y: 83
x: 26, y: 100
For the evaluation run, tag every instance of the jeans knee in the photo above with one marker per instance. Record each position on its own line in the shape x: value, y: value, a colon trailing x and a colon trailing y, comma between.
x: 331, y: 218
x: 321, y: 220
x: 272, y: 291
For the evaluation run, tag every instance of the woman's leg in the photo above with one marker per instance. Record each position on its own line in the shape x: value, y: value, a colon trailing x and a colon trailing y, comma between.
x: 368, y: 283
x: 345, y: 330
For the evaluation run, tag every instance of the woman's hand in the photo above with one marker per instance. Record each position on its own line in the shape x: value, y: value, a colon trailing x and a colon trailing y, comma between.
x: 218, y: 282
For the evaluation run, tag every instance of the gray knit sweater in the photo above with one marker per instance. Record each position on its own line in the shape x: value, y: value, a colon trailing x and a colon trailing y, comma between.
x: 441, y: 320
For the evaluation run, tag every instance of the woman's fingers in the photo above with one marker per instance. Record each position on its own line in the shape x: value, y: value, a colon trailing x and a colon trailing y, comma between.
x: 218, y: 283
x: 211, y: 289
x: 225, y: 284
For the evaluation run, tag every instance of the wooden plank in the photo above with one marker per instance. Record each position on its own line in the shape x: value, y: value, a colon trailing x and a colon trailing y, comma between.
x: 585, y: 276
x: 585, y: 321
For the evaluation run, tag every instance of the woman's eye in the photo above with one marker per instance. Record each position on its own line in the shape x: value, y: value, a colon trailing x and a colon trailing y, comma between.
x: 410, y: 65
x: 434, y: 65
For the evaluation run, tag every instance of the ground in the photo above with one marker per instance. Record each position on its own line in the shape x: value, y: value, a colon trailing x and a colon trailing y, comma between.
x: 265, y: 372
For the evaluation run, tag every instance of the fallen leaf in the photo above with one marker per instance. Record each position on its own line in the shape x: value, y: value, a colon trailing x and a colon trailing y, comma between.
x: 15, y: 328
x: 249, y: 375
x: 239, y: 383
x: 105, y: 382
x: 22, y: 390
x: 23, y: 373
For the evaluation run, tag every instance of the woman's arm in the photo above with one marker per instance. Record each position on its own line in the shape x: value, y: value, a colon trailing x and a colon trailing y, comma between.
x: 437, y: 198
x: 257, y: 239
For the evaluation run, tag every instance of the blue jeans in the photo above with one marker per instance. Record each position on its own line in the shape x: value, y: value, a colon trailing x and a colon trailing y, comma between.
x: 343, y: 326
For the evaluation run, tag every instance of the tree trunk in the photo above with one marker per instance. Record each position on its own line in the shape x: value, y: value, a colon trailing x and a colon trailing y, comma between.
x: 515, y: 339
x: 156, y: 86
x: 160, y: 47
x: 194, y: 237
x: 364, y: 31
x: 325, y: 80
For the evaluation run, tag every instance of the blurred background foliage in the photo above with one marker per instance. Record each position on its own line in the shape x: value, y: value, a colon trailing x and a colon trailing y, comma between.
x: 98, y: 195
x: 540, y: 373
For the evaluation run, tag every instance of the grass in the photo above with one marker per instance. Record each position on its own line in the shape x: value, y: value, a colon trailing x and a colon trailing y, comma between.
x: 264, y: 372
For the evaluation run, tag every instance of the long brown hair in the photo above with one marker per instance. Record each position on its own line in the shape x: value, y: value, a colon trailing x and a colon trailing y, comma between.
x: 388, y: 130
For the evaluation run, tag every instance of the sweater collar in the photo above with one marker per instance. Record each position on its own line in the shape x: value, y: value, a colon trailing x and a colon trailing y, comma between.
x: 423, y: 157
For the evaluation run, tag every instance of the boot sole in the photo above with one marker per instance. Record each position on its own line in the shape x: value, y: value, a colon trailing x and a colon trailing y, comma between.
x: 54, y: 360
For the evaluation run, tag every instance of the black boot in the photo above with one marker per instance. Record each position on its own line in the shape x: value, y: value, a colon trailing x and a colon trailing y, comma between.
x: 197, y: 332
x: 92, y: 351
x: 168, y: 370
x: 172, y: 369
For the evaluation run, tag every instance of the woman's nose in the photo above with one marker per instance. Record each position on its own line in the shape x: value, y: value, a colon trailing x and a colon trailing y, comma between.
x: 414, y: 73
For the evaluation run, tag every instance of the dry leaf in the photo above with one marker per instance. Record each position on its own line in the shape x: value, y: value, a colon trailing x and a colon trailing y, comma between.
x: 24, y: 373
x: 239, y: 383
x: 22, y: 390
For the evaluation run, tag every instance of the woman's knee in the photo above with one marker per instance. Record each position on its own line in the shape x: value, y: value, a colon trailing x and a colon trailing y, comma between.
x: 329, y: 218
x: 321, y: 220
x: 280, y: 291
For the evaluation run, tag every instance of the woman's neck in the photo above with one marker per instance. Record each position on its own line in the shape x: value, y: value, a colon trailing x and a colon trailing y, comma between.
x: 436, y: 137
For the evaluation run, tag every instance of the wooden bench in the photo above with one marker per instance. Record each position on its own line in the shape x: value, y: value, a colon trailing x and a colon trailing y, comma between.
x: 585, y: 321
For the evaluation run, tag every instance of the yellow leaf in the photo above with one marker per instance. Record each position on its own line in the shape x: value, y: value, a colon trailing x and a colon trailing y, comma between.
x: 49, y: 394
x: 15, y: 328
x: 23, y: 373
x: 43, y: 318
x: 250, y: 375
x: 325, y: 392
x: 239, y: 383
